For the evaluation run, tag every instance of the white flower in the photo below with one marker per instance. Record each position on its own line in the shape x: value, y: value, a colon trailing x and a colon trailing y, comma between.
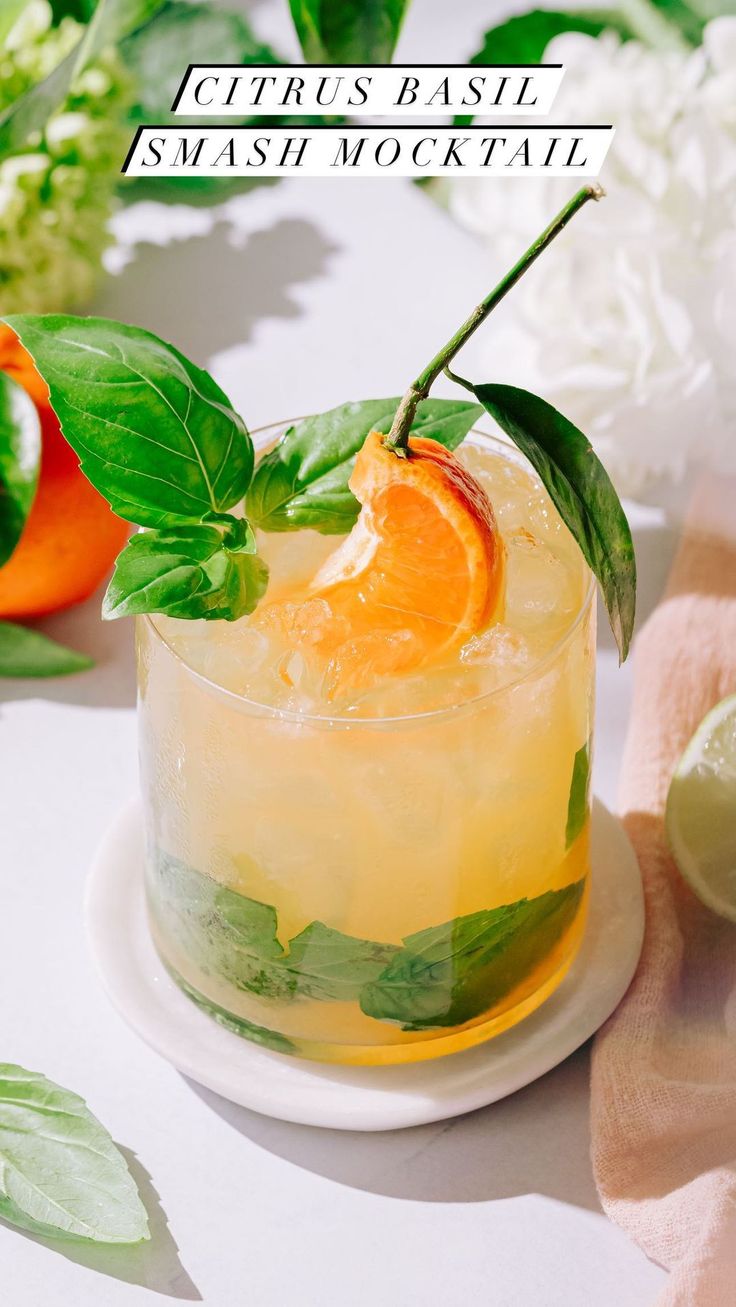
x: 630, y: 317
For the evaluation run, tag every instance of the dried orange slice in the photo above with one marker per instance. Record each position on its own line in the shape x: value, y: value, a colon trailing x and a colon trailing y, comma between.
x: 421, y: 570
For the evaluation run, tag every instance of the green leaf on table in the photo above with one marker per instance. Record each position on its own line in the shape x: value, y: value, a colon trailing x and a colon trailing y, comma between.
x: 581, y: 491
x: 207, y: 570
x: 577, y: 804
x: 20, y: 454
x: 348, y: 31
x: 326, y: 964
x: 154, y: 433
x: 449, y: 974
x: 182, y: 33
x: 25, y: 652
x: 111, y: 21
x: 303, y: 481
x: 60, y: 1172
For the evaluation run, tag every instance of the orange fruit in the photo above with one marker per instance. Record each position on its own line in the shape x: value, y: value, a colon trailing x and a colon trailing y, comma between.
x: 71, y: 537
x: 422, y: 569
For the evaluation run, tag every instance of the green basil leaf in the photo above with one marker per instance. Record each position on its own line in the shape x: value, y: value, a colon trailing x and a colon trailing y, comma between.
x: 60, y: 1172
x: 25, y: 652
x: 303, y: 481
x: 325, y: 964
x: 200, y: 571
x: 453, y: 973
x: 225, y: 934
x: 154, y: 434
x: 181, y: 34
x: 348, y: 31
x: 270, y: 1039
x: 111, y: 21
x: 581, y: 491
x: 577, y: 805
x: 20, y: 455
x: 234, y: 938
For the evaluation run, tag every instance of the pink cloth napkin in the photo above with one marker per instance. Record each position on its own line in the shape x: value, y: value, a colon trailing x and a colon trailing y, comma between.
x: 664, y: 1066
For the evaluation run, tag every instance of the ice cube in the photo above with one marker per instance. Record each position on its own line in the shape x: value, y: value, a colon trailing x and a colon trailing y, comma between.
x: 499, y: 646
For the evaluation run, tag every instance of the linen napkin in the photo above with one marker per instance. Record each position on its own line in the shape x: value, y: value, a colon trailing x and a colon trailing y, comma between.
x: 663, y: 1094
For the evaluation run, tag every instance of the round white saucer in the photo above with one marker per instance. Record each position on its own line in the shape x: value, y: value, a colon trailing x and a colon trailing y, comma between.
x: 360, y: 1098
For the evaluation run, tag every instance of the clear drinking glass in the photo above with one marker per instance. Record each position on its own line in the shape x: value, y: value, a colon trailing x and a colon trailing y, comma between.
x: 371, y: 889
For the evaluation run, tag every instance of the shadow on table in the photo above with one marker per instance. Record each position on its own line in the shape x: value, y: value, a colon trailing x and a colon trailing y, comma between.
x: 154, y: 1265
x: 109, y: 684
x: 221, y: 280
x: 534, y: 1141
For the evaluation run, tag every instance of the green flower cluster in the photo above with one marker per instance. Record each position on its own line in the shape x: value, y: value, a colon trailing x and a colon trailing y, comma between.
x: 57, y: 194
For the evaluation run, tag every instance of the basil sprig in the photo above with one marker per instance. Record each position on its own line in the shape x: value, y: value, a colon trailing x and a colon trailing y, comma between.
x: 161, y: 441
x: 60, y: 1172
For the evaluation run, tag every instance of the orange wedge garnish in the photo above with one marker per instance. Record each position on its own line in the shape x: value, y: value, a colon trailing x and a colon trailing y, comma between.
x: 421, y: 570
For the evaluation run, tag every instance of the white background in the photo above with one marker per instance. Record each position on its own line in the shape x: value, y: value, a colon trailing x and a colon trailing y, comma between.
x: 298, y: 295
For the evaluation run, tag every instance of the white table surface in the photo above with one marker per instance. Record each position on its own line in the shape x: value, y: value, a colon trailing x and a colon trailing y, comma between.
x: 297, y: 296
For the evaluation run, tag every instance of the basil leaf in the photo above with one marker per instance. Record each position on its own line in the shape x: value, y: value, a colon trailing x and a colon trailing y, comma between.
x: 581, y: 491
x: 270, y: 1039
x: 325, y: 964
x: 234, y: 938
x: 348, y: 31
x: 181, y: 34
x: 60, y: 1172
x: 577, y: 804
x: 20, y: 455
x: 453, y: 973
x: 154, y: 434
x: 688, y: 19
x: 303, y: 481
x: 25, y: 652
x: 225, y: 934
x: 201, y: 571
x: 112, y: 20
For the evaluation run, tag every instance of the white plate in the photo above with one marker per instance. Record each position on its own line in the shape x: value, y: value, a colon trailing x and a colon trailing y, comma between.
x: 361, y: 1098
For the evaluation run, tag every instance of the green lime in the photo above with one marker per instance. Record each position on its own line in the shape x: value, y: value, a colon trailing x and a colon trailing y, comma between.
x: 701, y: 811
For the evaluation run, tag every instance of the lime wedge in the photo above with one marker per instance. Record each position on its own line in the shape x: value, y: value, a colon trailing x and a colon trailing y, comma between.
x: 701, y: 811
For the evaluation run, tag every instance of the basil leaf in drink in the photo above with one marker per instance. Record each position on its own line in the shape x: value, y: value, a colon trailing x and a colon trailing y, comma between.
x: 270, y: 1039
x: 60, y: 1172
x: 235, y: 938
x: 20, y: 455
x: 207, y: 570
x: 223, y: 933
x: 154, y: 433
x: 348, y: 31
x: 326, y: 964
x: 449, y: 974
x: 303, y: 481
x: 577, y: 804
x: 581, y: 491
x: 25, y: 652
